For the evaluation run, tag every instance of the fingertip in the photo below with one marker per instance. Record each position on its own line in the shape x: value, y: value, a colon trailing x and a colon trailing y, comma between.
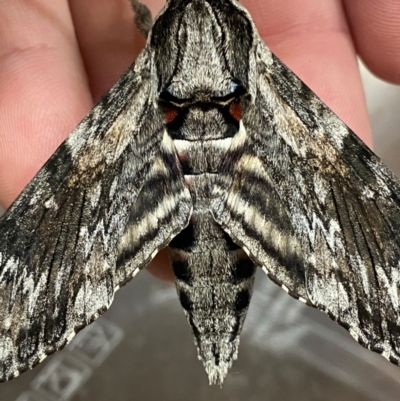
x: 107, y: 40
x: 375, y: 27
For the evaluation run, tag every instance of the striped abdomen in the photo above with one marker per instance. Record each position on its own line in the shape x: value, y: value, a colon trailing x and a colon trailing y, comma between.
x: 214, y: 279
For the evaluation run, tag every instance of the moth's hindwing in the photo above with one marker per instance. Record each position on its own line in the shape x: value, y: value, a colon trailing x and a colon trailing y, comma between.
x: 63, y: 243
x: 315, y: 207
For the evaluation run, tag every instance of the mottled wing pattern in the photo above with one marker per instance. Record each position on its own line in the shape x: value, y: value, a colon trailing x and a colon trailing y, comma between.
x: 61, y: 239
x: 314, y: 206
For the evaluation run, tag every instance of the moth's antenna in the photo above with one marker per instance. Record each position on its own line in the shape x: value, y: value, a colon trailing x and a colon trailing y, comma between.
x: 143, y: 19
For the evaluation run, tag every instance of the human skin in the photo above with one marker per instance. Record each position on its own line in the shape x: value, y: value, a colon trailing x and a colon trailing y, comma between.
x: 58, y: 57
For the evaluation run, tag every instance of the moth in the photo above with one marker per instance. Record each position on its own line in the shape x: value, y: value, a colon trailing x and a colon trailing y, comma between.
x: 208, y: 144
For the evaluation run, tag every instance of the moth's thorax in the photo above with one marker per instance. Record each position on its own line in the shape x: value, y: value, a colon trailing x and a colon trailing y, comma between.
x: 202, y: 134
x: 202, y: 125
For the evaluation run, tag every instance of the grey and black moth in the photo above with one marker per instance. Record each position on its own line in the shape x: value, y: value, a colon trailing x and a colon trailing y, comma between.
x: 210, y: 145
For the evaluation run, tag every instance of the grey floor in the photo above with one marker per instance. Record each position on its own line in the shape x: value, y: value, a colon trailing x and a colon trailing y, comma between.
x: 142, y: 348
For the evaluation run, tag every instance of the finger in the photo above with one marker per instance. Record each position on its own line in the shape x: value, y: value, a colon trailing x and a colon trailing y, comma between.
x: 375, y: 26
x: 42, y: 85
x: 315, y: 43
x: 108, y: 39
x: 161, y: 266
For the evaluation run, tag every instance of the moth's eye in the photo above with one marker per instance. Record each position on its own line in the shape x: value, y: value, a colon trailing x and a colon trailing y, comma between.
x: 167, y: 97
x: 235, y: 110
x: 171, y: 113
x: 237, y: 92
x: 234, y: 86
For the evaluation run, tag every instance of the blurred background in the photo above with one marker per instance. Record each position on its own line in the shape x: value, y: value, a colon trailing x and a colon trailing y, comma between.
x: 142, y: 348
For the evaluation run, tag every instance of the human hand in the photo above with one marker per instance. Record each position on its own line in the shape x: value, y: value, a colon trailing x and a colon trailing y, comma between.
x: 57, y: 58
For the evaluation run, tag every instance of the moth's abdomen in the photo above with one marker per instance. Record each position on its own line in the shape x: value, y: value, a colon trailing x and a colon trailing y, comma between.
x: 214, y: 279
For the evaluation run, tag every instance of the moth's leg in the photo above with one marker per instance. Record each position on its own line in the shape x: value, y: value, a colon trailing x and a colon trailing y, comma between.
x: 143, y: 19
